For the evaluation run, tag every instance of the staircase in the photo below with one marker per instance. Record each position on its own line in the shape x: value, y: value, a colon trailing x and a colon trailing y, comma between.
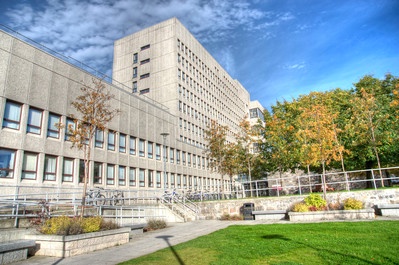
x: 181, y: 207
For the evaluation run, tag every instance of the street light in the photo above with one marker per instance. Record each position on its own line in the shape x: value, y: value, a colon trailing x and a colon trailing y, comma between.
x: 164, y: 135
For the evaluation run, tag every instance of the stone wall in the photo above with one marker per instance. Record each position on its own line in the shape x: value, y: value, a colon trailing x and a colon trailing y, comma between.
x: 215, y: 209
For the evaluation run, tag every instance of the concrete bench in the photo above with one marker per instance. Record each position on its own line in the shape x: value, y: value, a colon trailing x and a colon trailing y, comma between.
x: 270, y: 215
x: 136, y: 229
x: 15, y: 250
x: 388, y: 209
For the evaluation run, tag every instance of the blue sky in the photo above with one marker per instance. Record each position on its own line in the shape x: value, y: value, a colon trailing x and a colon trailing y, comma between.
x: 277, y: 49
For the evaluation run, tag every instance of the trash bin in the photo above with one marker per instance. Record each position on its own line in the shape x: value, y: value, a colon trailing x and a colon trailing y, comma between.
x: 247, y: 211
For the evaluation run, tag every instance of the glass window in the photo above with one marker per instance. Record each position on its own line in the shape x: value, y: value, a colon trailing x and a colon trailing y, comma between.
x: 150, y: 150
x: 172, y: 155
x: 98, y: 173
x: 178, y: 181
x: 53, y: 121
x: 184, y: 158
x: 177, y: 156
x: 50, y: 167
x: 12, y: 115
x: 67, y: 170
x: 141, y: 148
x: 184, y: 182
x: 81, y: 170
x: 122, y: 143
x: 29, y: 166
x: 146, y: 75
x: 34, y: 121
x: 111, y: 140
x: 99, y: 138
x: 172, y: 181
x: 158, y: 151
x: 189, y: 159
x: 132, y: 145
x: 132, y: 177
x: 134, y: 90
x: 7, y: 160
x: 110, y: 175
x: 142, y: 177
x: 69, y: 126
x: 134, y: 72
x: 122, y: 176
x: 145, y: 47
x: 150, y: 178
x: 135, y: 58
x: 158, y: 179
x: 145, y: 61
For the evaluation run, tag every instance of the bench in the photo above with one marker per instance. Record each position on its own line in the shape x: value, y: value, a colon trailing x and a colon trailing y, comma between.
x: 136, y: 229
x: 270, y: 215
x: 387, y: 209
x: 16, y: 250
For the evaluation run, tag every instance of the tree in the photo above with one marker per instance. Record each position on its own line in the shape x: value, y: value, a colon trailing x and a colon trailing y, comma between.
x: 95, y: 112
x: 222, y: 155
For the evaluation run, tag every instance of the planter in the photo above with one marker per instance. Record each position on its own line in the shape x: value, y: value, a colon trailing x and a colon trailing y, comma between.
x: 332, y: 215
x: 67, y: 246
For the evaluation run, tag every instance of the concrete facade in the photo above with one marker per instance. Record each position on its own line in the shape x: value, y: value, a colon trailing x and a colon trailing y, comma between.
x: 184, y: 88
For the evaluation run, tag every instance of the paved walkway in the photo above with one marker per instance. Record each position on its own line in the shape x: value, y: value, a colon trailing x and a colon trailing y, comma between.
x: 149, y: 242
x: 140, y: 245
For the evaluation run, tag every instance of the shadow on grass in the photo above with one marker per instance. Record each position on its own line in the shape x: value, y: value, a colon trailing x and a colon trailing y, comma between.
x: 281, y: 237
x: 166, y: 238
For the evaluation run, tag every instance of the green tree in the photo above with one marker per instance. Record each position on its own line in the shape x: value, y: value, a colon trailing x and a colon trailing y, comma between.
x: 95, y: 111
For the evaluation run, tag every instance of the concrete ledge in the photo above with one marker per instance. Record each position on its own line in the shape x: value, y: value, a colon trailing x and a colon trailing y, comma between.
x: 332, y: 215
x: 270, y: 215
x: 67, y: 246
x: 136, y: 229
x: 388, y: 209
x: 16, y: 250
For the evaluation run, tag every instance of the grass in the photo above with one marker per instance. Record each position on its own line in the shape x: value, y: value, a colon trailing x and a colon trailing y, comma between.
x: 375, y: 242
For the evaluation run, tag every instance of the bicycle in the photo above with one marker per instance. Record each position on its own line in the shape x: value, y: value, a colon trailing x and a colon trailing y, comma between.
x: 94, y: 197
x: 118, y: 198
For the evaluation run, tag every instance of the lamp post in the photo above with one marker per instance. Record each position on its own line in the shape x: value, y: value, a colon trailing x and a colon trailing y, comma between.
x: 164, y: 135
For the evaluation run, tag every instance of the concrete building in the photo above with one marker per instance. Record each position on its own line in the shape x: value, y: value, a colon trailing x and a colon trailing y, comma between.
x: 167, y: 88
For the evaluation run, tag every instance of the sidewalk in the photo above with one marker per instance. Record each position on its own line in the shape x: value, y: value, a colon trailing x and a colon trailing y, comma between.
x: 140, y: 245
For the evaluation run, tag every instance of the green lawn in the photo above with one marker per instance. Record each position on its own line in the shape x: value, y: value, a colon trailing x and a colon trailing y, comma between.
x: 375, y: 242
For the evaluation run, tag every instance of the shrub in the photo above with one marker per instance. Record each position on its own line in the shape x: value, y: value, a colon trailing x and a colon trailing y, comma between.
x: 154, y: 224
x: 315, y: 202
x: 335, y: 206
x: 300, y: 207
x: 56, y: 226
x: 352, y: 204
x: 108, y: 225
x: 91, y: 224
x: 234, y: 217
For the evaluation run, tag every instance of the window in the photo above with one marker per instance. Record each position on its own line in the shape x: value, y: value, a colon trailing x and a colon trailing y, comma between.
x: 178, y: 156
x: 172, y: 155
x: 178, y: 181
x: 144, y: 91
x: 184, y: 158
x: 132, y: 177
x: 99, y: 138
x: 7, y: 160
x: 34, y: 121
x: 142, y: 177
x: 150, y: 178
x: 165, y: 153
x: 134, y: 87
x: 145, y: 76
x: 98, y: 173
x: 166, y: 180
x: 111, y: 140
x: 132, y: 145
x: 172, y: 181
x: 145, y: 47
x: 50, y: 167
x: 141, y: 148
x: 52, y: 130
x: 121, y: 176
x: 67, y: 170
x: 189, y: 159
x: 69, y: 125
x: 134, y: 72
x: 145, y: 61
x: 12, y: 115
x: 110, y: 174
x: 81, y: 171
x: 122, y: 143
x: 29, y: 166
x: 158, y: 151
x: 184, y: 181
x: 150, y: 150
x: 135, y: 58
x: 158, y: 179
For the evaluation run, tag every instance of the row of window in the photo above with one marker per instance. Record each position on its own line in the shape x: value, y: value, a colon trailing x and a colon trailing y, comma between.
x: 99, y: 173
x: 135, y: 71
x: 113, y: 141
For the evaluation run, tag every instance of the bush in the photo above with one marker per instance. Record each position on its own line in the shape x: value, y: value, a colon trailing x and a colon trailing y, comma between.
x: 300, y: 207
x: 64, y: 225
x: 352, y: 204
x: 155, y: 224
x: 315, y: 202
x: 234, y: 217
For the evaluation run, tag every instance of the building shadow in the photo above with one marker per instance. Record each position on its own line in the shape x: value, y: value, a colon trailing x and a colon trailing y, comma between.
x: 166, y: 238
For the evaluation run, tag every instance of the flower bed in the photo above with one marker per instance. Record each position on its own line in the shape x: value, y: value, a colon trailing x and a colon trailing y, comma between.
x: 332, y: 215
x: 67, y: 246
